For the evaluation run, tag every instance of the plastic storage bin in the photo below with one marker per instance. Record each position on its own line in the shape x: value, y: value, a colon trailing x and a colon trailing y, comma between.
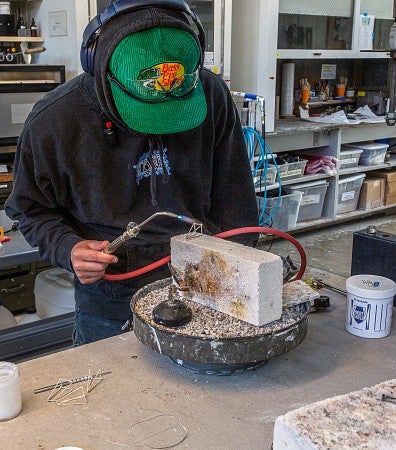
x: 288, y: 171
x: 313, y: 195
x: 349, y: 157
x: 282, y: 215
x: 348, y: 193
x: 372, y: 154
x: 54, y: 293
x: 259, y: 178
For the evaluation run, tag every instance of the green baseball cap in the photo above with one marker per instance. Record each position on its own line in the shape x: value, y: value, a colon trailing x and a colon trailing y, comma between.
x: 154, y: 80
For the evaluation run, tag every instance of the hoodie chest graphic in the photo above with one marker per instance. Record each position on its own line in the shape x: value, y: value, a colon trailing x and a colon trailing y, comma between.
x: 152, y: 163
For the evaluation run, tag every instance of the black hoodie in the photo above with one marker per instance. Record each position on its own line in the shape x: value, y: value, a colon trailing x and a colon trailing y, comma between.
x: 73, y: 181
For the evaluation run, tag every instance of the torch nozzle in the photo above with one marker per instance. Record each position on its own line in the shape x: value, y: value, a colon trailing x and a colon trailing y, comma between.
x: 133, y: 229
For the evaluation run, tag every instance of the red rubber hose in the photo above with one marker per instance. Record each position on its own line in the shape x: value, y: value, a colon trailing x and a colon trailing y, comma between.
x: 223, y: 234
x: 137, y: 272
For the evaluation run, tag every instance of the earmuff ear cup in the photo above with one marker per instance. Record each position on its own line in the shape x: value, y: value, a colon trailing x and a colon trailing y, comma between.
x: 91, y: 33
x: 88, y: 58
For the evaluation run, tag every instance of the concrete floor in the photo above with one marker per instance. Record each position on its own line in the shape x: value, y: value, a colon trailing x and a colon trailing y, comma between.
x: 329, y: 250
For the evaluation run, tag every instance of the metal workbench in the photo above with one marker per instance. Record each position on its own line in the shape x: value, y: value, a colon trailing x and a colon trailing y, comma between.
x: 16, y: 250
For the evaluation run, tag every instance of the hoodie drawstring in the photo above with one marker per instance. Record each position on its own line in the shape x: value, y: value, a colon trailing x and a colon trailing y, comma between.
x: 153, y: 175
x: 156, y: 144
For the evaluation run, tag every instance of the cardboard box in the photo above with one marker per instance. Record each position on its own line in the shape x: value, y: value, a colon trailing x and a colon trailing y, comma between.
x: 388, y: 175
x: 390, y: 189
x: 390, y: 181
x: 372, y: 193
x: 390, y: 200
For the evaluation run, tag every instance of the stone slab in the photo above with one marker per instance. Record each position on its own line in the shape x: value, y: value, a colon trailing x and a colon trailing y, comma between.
x: 363, y: 419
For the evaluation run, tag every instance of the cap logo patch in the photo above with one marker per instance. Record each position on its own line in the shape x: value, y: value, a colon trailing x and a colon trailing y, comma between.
x: 155, y: 80
x: 163, y: 77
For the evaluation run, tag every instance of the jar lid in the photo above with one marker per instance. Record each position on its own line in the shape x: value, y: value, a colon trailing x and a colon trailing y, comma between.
x: 371, y: 286
x: 8, y: 372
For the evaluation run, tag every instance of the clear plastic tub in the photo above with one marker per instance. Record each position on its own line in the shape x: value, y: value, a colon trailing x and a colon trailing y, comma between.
x: 349, y: 157
x: 269, y: 177
x: 288, y: 171
x: 313, y: 195
x: 348, y: 193
x: 282, y: 215
x: 372, y: 153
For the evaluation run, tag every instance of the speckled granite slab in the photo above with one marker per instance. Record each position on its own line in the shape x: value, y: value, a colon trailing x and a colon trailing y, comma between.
x: 364, y: 419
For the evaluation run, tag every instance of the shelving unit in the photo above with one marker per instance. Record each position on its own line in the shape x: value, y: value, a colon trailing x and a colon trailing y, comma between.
x: 281, y: 28
x: 360, y: 169
x: 23, y: 42
x: 21, y: 39
x: 332, y: 102
x: 331, y: 105
x: 296, y: 135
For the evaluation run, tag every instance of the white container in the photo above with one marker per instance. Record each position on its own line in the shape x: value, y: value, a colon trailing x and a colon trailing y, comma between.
x: 289, y: 171
x: 54, y: 293
x: 29, y: 318
x: 349, y: 157
x: 373, y: 153
x: 7, y: 319
x: 313, y: 195
x: 4, y: 7
x: 280, y: 212
x: 348, y: 193
x: 262, y: 176
x: 369, y: 305
x: 10, y: 391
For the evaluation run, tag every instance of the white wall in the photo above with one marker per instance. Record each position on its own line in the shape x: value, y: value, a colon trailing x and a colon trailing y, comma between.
x: 61, y: 49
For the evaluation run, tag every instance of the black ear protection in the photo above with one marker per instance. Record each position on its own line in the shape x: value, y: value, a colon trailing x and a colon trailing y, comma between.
x: 91, y: 33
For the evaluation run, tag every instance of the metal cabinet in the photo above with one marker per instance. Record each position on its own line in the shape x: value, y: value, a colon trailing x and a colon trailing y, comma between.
x: 301, y: 24
x: 266, y: 33
x: 333, y: 29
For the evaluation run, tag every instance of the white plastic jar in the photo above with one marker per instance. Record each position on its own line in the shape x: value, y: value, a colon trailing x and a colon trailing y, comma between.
x: 10, y: 391
x: 369, y: 305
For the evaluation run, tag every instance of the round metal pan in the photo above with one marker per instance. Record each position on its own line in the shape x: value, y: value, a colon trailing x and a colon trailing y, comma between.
x: 219, y: 355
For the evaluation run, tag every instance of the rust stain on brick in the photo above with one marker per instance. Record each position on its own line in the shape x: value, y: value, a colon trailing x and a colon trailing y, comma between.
x: 217, y: 280
x: 238, y: 307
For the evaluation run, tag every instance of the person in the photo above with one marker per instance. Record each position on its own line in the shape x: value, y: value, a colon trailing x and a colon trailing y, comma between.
x: 144, y: 129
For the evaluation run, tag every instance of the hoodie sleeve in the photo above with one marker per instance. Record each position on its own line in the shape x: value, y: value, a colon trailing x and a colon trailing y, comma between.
x: 32, y: 202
